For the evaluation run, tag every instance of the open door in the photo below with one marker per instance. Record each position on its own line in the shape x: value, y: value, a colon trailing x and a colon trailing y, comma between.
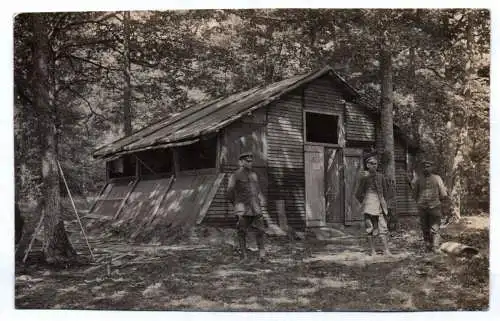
x: 334, y: 185
x: 352, y: 170
x: 314, y: 161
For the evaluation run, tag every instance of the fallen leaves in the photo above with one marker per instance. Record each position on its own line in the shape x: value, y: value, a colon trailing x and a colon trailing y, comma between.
x: 307, y: 276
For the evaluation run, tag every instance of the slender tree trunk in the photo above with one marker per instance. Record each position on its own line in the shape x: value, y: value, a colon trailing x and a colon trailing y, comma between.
x: 387, y: 123
x: 387, y: 115
x: 127, y: 90
x: 57, y: 247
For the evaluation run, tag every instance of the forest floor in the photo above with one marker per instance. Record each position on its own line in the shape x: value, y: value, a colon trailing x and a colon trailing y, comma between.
x: 202, y: 273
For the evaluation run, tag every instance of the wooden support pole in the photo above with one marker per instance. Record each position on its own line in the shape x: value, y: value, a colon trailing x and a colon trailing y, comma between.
x: 76, y: 211
x: 108, y: 171
x: 126, y: 198
x: 37, y: 229
x: 155, y: 210
x: 91, y: 208
x: 175, y: 157
x: 137, y: 168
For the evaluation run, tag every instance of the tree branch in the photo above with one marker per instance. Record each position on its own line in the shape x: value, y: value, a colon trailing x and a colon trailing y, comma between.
x: 89, y: 105
x: 144, y: 63
x: 86, y: 44
x: 92, y: 62
x: 434, y: 71
x: 98, y: 21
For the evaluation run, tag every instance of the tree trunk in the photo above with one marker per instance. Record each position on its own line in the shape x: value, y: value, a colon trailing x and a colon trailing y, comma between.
x: 56, y: 246
x: 127, y: 90
x: 387, y: 121
x: 459, y: 127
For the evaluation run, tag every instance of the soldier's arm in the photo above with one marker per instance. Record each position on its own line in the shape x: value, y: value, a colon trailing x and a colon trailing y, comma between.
x: 446, y: 203
x: 230, y: 188
x: 443, y: 193
x: 260, y: 195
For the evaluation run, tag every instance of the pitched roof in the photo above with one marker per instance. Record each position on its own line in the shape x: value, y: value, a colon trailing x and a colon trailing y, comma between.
x: 188, y: 126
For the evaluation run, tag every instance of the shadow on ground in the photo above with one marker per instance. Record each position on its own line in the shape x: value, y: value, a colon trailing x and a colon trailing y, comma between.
x: 202, y: 273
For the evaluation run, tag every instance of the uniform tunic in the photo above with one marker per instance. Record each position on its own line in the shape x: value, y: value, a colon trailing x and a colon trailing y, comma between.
x: 243, y: 191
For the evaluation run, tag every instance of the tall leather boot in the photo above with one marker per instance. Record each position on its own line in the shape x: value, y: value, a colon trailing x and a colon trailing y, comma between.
x: 260, y: 245
x: 435, y: 242
x: 372, y: 245
x: 383, y: 237
x: 242, y: 240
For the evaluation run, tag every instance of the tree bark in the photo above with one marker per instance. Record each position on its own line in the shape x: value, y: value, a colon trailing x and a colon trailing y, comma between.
x: 459, y: 127
x: 387, y: 123
x: 386, y: 118
x: 56, y: 246
x: 127, y: 90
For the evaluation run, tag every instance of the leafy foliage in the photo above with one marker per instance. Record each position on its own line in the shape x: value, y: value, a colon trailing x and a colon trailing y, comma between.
x: 180, y: 58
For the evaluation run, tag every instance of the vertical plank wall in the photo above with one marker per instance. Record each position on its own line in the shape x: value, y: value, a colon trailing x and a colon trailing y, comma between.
x: 286, y: 159
x: 405, y: 205
x: 247, y: 134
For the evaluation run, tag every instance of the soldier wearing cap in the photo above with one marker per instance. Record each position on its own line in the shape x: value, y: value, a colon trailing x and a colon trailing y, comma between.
x: 375, y: 194
x: 244, y: 193
x: 430, y: 192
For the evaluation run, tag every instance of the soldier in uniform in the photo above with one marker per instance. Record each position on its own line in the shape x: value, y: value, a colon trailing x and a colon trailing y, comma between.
x: 245, y: 194
x: 375, y: 194
x: 430, y: 192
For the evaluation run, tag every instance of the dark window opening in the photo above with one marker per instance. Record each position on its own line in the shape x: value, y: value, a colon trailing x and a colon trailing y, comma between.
x: 199, y: 155
x: 321, y: 128
x: 157, y: 161
x: 359, y: 144
x: 122, y: 167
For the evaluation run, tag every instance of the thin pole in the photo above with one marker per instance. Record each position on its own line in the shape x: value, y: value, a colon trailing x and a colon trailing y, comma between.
x: 76, y: 212
x: 145, y: 165
x: 33, y: 237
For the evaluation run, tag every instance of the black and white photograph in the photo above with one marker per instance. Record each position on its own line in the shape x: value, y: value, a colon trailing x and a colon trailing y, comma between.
x: 251, y: 160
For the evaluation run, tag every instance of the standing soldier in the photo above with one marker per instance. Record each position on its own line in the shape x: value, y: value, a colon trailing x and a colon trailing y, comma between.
x: 429, y: 193
x: 244, y: 193
x: 375, y: 194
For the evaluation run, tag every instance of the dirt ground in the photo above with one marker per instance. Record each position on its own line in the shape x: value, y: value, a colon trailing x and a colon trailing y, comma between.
x: 331, y: 272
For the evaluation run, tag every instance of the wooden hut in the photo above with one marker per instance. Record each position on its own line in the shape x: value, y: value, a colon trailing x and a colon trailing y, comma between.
x: 307, y: 134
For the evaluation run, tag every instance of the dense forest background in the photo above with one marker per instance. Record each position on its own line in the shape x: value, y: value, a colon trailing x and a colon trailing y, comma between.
x: 84, y: 79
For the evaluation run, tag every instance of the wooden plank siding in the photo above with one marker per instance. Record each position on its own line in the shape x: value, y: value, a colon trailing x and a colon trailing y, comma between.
x: 286, y: 159
x: 399, y: 147
x: 275, y: 134
x: 220, y: 211
x: 323, y: 95
x: 143, y: 199
x: 248, y: 134
x: 180, y: 207
x: 112, y: 197
x: 405, y: 205
x: 359, y: 125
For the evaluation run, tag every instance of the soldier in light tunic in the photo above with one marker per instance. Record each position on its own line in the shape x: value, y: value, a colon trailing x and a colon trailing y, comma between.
x: 430, y: 192
x: 375, y: 194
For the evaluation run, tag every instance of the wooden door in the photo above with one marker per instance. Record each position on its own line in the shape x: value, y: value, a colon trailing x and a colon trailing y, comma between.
x: 334, y: 186
x: 353, y: 165
x: 314, y: 159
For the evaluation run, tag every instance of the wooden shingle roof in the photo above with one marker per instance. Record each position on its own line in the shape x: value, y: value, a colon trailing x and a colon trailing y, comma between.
x: 189, y: 125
